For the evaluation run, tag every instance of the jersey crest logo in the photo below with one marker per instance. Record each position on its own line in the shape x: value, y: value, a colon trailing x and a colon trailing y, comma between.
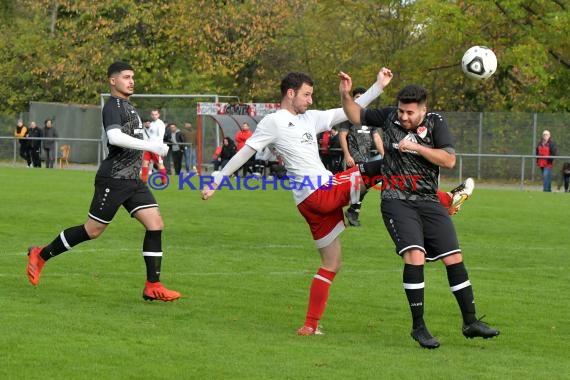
x: 422, y: 131
x: 291, y: 124
x: 307, y: 138
x: 412, y: 138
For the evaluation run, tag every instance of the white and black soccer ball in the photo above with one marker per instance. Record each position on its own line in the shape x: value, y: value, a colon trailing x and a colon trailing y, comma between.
x: 479, y: 62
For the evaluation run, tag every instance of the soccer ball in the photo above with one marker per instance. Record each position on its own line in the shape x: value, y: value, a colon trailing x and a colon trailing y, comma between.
x: 479, y: 62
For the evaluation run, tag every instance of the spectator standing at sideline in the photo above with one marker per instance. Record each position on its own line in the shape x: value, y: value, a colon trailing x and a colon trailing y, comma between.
x: 49, y: 143
x: 227, y: 151
x: 240, y: 138
x: 117, y: 183
x: 546, y: 147
x: 35, y: 145
x: 191, y: 137
x: 21, y: 132
x: 335, y: 152
x: 566, y: 175
x: 175, y: 140
x: 323, y: 140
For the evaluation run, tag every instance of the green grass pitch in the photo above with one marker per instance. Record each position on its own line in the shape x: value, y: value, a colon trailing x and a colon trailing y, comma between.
x: 244, y: 262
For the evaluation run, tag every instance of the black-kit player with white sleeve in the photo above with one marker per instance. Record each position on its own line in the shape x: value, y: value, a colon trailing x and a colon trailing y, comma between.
x: 117, y: 184
x: 418, y: 143
x: 121, y: 163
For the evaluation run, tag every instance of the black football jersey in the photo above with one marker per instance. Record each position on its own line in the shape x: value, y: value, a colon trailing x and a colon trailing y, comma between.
x: 409, y: 175
x: 359, y: 140
x: 122, y: 163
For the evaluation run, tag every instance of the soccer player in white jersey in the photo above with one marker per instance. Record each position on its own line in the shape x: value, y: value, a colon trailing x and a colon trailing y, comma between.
x: 153, y: 132
x: 292, y: 132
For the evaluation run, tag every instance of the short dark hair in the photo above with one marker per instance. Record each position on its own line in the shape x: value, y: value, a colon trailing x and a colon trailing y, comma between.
x: 117, y: 67
x: 412, y: 94
x: 294, y: 81
x: 358, y: 91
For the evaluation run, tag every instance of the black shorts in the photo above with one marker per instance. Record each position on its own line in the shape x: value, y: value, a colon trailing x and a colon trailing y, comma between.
x: 423, y: 225
x: 111, y: 193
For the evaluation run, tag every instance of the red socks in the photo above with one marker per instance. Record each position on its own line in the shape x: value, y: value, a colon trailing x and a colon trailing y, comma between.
x: 444, y: 198
x: 144, y: 174
x: 164, y: 176
x: 318, y: 296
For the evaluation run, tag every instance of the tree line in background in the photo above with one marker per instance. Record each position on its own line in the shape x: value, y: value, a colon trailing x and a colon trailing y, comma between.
x: 58, y: 50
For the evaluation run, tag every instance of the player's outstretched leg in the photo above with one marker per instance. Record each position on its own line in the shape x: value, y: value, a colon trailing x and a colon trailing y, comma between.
x: 462, y: 192
x: 37, y: 256
x: 453, y: 199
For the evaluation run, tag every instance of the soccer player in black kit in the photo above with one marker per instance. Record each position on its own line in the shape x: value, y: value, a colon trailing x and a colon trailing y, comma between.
x: 418, y: 143
x: 117, y: 183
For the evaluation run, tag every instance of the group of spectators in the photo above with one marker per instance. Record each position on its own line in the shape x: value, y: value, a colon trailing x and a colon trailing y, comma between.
x: 265, y: 162
x: 182, y: 144
x: 31, y: 143
x: 334, y: 148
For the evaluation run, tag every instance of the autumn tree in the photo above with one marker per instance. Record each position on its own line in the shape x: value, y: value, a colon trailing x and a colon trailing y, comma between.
x: 58, y: 50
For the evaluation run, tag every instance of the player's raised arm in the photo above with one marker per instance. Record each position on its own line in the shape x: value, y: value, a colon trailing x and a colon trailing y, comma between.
x: 384, y: 77
x: 350, y: 107
x: 353, y: 108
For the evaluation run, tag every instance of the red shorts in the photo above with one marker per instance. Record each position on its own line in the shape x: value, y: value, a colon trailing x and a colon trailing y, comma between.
x: 323, y: 208
x: 150, y: 156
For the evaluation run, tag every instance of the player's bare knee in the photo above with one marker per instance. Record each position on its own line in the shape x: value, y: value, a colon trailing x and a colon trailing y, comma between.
x: 332, y: 267
x: 154, y: 225
x: 452, y: 259
x: 337, y: 267
x: 94, y: 230
x: 414, y: 257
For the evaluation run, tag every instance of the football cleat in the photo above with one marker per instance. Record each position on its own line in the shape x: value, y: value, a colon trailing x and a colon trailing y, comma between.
x: 424, y: 338
x: 35, y: 265
x: 306, y: 331
x: 352, y: 217
x: 460, y: 194
x: 155, y: 291
x: 479, y: 329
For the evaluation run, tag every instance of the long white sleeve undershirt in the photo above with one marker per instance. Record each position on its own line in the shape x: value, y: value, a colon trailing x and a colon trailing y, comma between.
x: 118, y: 138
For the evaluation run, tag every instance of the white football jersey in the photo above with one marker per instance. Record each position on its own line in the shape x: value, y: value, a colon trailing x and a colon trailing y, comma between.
x: 155, y: 132
x: 295, y: 139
